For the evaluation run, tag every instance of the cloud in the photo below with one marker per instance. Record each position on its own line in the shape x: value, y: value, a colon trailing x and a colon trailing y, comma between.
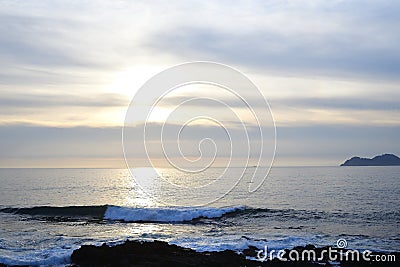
x: 335, y: 38
x: 362, y: 103
x: 336, y: 54
x: 325, y: 38
x: 36, y: 40
x: 18, y: 101
x: 65, y: 35
x: 365, y: 110
x: 30, y: 141
x: 62, y: 109
x: 337, y: 140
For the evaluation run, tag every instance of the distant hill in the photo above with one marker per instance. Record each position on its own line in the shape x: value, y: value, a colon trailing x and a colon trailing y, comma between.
x: 382, y: 160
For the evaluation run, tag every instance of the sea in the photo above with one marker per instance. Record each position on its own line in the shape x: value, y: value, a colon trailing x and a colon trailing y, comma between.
x: 45, y: 214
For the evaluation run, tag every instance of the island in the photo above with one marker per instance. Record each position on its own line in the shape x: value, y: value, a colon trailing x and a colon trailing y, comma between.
x: 382, y: 160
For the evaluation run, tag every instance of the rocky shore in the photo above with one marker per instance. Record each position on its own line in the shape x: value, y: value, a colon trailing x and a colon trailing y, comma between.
x: 157, y: 253
x: 162, y: 254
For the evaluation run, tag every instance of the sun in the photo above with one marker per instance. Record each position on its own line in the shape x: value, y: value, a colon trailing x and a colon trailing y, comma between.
x: 128, y: 81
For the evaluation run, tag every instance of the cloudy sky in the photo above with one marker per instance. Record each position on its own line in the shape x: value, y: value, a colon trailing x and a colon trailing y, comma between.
x: 68, y: 70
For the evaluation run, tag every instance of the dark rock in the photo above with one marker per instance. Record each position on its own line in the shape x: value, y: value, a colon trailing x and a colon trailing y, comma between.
x: 251, y: 251
x: 157, y: 254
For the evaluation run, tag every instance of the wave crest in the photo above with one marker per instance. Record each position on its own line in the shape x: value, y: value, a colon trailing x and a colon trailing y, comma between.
x: 180, y: 214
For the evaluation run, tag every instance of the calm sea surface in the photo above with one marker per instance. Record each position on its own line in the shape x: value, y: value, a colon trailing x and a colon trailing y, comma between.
x: 47, y: 213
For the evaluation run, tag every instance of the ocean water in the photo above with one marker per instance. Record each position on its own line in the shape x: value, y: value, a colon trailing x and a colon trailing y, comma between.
x: 47, y: 213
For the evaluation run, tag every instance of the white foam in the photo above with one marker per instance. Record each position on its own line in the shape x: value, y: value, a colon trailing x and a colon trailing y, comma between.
x: 45, y: 257
x: 238, y: 244
x: 180, y: 214
x: 217, y: 243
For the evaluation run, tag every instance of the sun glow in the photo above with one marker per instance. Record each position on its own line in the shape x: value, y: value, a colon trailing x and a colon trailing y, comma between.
x: 128, y: 81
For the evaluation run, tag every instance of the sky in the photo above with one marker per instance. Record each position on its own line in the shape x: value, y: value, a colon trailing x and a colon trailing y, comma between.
x: 330, y: 71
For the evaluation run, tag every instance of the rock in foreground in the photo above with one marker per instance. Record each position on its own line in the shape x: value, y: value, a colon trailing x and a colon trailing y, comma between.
x: 157, y: 253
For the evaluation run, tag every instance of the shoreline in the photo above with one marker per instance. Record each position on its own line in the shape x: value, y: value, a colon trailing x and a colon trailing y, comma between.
x: 135, y: 253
